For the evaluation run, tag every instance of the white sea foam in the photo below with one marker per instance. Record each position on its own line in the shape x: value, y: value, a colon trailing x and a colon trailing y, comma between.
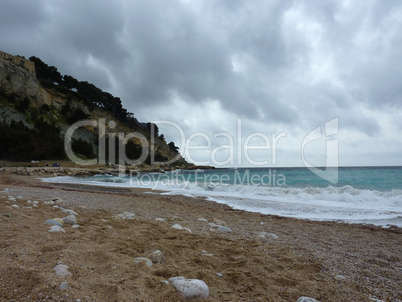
x: 344, y: 203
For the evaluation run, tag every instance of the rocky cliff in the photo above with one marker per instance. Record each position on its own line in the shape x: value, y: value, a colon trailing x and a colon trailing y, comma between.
x: 27, y: 102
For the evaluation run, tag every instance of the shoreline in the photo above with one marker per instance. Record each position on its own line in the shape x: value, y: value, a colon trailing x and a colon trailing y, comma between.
x: 328, y: 261
x: 393, y: 223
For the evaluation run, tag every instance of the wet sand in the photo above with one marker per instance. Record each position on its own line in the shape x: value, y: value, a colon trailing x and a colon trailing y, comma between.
x: 327, y: 261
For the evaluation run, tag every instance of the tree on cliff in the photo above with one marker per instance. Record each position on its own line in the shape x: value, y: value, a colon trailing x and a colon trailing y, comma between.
x: 173, y: 147
x: 45, y: 72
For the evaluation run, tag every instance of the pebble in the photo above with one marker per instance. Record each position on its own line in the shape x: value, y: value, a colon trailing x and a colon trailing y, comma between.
x: 28, y: 201
x: 54, y: 222
x: 128, y: 215
x: 56, y: 228
x: 224, y: 229
x: 75, y: 226
x: 265, y: 235
x: 177, y: 226
x: 157, y: 257
x: 35, y: 202
x: 202, y: 220
x: 70, y: 212
x: 61, y: 270
x: 219, y: 275
x: 160, y: 219
x: 50, y: 202
x: 70, y: 220
x: 120, y: 216
x: 143, y: 260
x: 58, y: 219
x: 103, y: 220
x: 273, y: 236
x: 15, y: 206
x: 64, y: 285
x: 340, y: 277
x: 306, y: 299
x: 19, y: 197
x: 190, y: 288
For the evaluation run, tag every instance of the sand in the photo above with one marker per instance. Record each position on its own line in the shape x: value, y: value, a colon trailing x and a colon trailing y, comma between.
x: 327, y: 261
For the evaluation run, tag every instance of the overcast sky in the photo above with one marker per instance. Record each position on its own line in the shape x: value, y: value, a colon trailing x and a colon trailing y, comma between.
x: 282, y: 67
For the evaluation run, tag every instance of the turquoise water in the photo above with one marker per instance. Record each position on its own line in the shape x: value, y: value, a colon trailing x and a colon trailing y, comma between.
x: 360, y: 195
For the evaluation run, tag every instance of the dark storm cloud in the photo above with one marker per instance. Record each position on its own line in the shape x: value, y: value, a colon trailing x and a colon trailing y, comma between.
x: 286, y: 62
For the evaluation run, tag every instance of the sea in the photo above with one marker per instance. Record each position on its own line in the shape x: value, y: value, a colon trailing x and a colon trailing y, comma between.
x: 365, y: 195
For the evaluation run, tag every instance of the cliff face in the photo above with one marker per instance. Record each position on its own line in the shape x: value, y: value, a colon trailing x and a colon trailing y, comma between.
x: 17, y: 80
x: 24, y: 99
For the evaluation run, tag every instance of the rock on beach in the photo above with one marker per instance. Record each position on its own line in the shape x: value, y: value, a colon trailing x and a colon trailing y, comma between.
x: 56, y: 228
x: 143, y: 260
x: 70, y: 220
x: 190, y: 288
x: 54, y: 222
x: 307, y: 299
x: 61, y: 270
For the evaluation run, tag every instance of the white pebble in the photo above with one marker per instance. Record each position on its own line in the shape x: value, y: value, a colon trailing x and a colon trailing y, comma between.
x: 128, y: 215
x: 224, y: 229
x: 143, y: 260
x: 340, y: 277
x: 177, y: 227
x: 56, y: 228
x: 202, y: 220
x: 61, y: 270
x: 70, y: 212
x: 190, y: 288
x: 306, y: 299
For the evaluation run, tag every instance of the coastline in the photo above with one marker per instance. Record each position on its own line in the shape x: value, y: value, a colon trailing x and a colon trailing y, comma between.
x: 328, y: 261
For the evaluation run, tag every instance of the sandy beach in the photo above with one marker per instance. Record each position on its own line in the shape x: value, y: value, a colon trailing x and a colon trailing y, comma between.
x: 327, y: 261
